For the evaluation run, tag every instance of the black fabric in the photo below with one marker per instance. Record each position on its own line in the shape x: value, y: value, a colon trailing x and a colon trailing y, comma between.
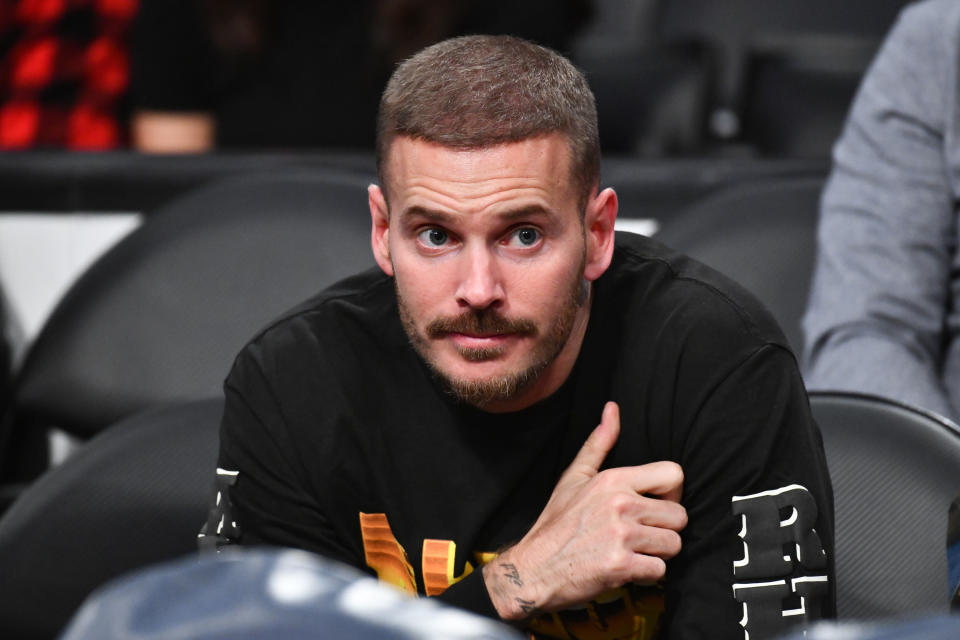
x: 330, y: 413
x: 895, y: 471
x: 130, y: 497
x: 162, y: 314
x: 317, y: 79
x: 761, y: 234
x: 315, y: 84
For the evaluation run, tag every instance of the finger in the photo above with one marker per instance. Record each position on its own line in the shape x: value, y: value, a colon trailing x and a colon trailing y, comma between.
x: 663, y: 479
x: 645, y: 569
x: 655, y: 512
x: 598, y: 444
x: 653, y: 541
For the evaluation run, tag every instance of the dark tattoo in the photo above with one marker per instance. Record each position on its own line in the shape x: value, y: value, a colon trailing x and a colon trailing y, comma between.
x: 527, y: 606
x: 511, y: 574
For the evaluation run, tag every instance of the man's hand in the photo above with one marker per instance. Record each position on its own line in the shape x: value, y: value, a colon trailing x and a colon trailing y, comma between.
x: 599, y: 530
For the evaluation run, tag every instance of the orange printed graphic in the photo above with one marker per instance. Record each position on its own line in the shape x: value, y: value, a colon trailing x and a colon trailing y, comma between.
x: 628, y: 613
x: 384, y: 554
x: 438, y: 560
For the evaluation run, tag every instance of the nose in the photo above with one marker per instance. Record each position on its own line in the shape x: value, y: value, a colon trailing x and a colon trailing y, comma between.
x: 480, y: 283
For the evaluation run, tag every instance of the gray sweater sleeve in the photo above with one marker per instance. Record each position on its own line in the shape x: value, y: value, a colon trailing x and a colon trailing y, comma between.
x: 876, y: 321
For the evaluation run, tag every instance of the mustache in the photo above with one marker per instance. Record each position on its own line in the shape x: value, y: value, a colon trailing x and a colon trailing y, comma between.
x: 483, y: 322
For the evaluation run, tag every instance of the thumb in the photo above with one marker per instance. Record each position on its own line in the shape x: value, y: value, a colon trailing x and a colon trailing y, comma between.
x: 598, y: 444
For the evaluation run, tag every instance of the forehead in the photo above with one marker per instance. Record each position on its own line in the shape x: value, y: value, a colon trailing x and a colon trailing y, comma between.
x: 537, y: 168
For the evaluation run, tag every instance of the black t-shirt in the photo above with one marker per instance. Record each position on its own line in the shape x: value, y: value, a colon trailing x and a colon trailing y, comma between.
x: 336, y: 439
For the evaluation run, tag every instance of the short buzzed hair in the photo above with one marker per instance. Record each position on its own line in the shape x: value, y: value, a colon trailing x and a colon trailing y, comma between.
x: 473, y: 92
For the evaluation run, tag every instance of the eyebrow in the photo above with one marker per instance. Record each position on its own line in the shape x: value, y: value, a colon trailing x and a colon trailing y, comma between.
x: 507, y: 216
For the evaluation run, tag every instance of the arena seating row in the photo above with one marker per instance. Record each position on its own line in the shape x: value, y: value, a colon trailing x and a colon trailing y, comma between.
x: 124, y: 182
x: 177, y: 292
x: 132, y: 360
x: 682, y: 77
x: 693, y: 77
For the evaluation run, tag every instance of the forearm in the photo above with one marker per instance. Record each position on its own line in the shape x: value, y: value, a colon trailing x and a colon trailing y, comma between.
x: 882, y: 361
x: 754, y: 450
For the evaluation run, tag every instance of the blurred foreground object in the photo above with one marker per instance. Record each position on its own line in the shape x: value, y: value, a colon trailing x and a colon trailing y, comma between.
x: 934, y: 628
x: 267, y: 593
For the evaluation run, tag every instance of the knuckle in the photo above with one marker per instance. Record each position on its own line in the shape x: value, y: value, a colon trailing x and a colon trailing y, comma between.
x: 606, y: 478
x: 619, y: 563
x: 621, y: 503
x: 619, y: 533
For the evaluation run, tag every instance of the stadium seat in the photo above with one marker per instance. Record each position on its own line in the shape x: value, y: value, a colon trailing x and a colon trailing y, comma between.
x: 798, y: 90
x: 160, y: 317
x: 895, y: 470
x: 134, y: 495
x: 651, y: 101
x: 733, y: 27
x: 761, y: 234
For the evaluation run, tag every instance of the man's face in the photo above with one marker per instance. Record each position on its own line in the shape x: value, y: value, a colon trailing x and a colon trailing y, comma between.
x: 489, y: 255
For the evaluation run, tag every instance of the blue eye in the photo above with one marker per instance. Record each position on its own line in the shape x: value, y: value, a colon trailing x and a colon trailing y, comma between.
x: 433, y: 237
x: 526, y: 236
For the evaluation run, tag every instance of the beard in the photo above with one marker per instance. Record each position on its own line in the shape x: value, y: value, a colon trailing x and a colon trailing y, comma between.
x: 487, y: 321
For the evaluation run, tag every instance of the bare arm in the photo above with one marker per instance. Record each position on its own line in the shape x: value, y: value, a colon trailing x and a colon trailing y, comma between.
x: 172, y: 132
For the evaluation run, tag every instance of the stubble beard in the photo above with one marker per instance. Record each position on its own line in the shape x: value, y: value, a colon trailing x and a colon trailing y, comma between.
x: 501, y: 388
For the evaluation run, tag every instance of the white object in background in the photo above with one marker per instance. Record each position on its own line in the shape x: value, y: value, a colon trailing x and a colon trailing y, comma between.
x: 643, y: 226
x: 41, y: 254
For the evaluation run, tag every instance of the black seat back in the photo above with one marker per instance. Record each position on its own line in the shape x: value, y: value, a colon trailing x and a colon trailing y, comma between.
x: 895, y: 470
x: 763, y: 235
x: 160, y: 317
x: 134, y: 495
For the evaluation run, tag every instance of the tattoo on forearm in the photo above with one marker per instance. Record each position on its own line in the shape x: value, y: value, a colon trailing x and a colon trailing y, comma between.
x: 510, y: 573
x: 527, y: 606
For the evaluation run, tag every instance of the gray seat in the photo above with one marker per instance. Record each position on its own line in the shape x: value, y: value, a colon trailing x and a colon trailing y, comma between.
x: 734, y: 28
x: 895, y: 470
x: 761, y: 234
x: 135, y: 495
x: 160, y: 317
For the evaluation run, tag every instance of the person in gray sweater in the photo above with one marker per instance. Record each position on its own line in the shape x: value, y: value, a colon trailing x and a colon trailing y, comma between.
x: 884, y: 310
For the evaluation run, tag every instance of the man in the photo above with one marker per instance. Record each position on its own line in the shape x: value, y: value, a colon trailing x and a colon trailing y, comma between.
x: 883, y: 316
x: 435, y: 422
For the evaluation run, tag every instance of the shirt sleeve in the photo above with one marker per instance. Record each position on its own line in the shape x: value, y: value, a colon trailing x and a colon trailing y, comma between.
x: 757, y: 553
x: 876, y: 317
x: 471, y: 594
x: 262, y: 496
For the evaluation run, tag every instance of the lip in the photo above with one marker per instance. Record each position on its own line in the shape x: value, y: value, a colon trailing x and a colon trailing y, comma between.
x: 480, y: 341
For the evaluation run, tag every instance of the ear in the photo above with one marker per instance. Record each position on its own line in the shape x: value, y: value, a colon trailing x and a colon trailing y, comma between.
x: 380, y: 229
x: 598, y: 226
